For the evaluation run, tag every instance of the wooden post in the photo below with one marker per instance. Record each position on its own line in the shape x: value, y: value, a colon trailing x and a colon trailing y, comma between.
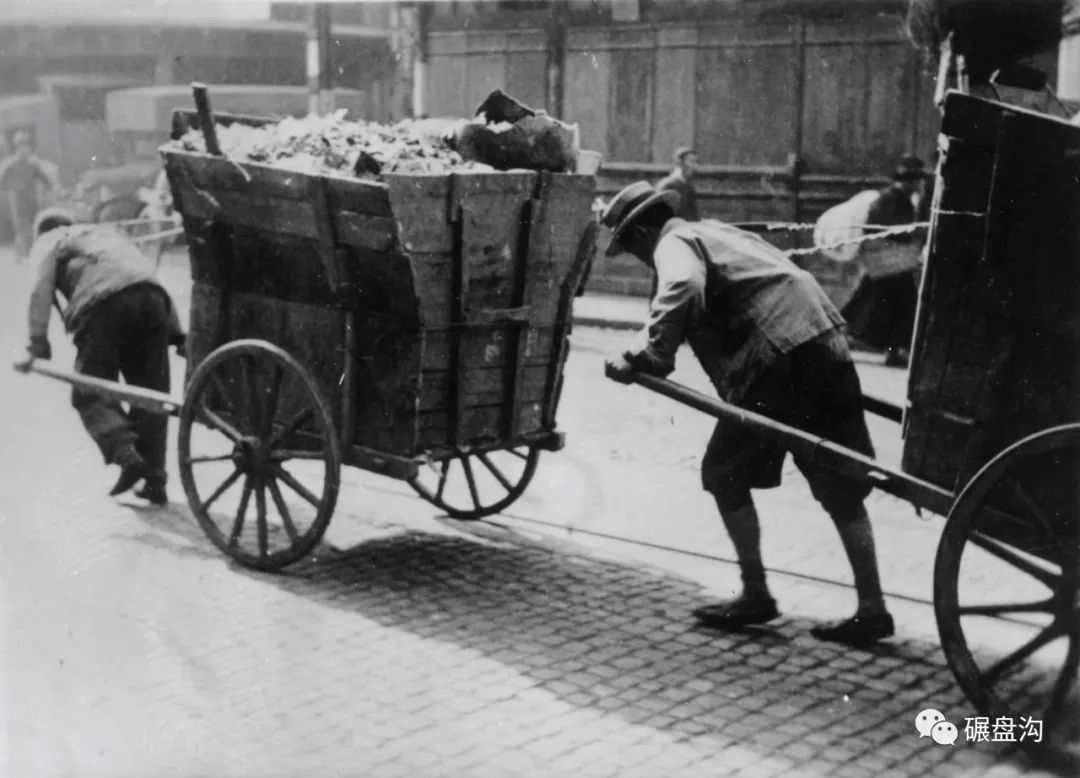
x: 319, y: 60
x: 555, y: 72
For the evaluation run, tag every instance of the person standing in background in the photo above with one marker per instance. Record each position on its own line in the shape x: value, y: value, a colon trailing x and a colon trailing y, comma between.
x: 679, y: 181
x: 20, y: 175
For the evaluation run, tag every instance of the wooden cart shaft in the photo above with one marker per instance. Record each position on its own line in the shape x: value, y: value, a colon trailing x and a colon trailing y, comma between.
x: 818, y: 450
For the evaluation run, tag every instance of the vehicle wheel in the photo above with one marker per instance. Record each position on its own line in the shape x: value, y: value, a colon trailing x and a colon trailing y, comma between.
x: 1006, y: 592
x: 473, y: 484
x: 258, y: 410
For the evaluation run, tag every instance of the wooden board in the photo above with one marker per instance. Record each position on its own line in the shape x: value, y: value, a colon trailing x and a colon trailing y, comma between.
x: 995, y: 355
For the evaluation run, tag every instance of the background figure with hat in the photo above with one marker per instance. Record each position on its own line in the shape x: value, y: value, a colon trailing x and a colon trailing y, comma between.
x: 123, y: 322
x: 771, y: 341
x: 882, y: 310
x: 21, y: 174
x: 679, y: 180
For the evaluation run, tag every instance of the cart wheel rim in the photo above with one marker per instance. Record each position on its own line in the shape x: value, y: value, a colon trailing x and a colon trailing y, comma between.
x: 473, y: 484
x: 263, y: 418
x: 1045, y: 612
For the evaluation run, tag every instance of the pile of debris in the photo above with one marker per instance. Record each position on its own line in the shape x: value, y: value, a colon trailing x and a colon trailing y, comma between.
x: 505, y: 135
x: 331, y: 145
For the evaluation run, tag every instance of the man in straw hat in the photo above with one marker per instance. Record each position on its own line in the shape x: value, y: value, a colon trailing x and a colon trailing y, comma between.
x: 771, y: 342
x: 123, y: 322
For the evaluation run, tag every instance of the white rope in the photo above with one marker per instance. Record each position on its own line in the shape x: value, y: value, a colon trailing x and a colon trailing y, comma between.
x: 902, y: 229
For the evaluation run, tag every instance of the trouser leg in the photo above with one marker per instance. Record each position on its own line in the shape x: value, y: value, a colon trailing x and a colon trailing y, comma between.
x: 144, y: 361
x: 102, y: 417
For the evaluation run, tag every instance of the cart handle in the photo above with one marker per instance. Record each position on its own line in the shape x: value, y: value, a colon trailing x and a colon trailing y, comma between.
x: 137, y: 396
x: 820, y: 451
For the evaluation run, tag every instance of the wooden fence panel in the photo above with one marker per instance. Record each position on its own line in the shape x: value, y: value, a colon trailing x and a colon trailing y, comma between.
x: 676, y: 92
x: 630, y: 105
x: 447, y: 81
x: 587, y: 77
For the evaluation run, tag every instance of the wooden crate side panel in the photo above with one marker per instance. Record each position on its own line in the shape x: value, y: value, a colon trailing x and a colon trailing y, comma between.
x: 313, y: 335
x: 486, y: 386
x: 486, y: 346
x: 479, y: 426
x: 421, y: 210
x: 558, y: 223
x: 212, y: 174
x: 388, y: 383
x: 494, y: 219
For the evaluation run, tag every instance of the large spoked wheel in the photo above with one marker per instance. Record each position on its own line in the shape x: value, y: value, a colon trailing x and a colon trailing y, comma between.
x: 261, y: 467
x: 1006, y: 593
x: 472, y: 484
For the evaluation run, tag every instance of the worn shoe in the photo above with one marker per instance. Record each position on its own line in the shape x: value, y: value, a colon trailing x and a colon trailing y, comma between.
x: 132, y: 470
x: 858, y: 630
x: 739, y: 612
x: 153, y: 493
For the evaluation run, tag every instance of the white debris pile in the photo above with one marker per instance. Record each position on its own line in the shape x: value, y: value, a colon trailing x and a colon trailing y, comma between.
x: 331, y: 145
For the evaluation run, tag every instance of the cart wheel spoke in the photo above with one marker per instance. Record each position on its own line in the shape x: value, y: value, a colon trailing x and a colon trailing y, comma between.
x: 481, y: 490
x: 1033, y: 507
x: 220, y: 490
x: 1007, y: 554
x: 1066, y: 680
x: 994, y: 674
x: 203, y: 460
x: 284, y: 475
x: 442, y: 480
x: 298, y: 421
x: 471, y: 481
x: 483, y: 457
x: 241, y: 512
x: 1000, y: 609
x: 223, y: 393
x: 259, y: 397
x: 260, y: 516
x: 283, y: 510
x: 211, y: 419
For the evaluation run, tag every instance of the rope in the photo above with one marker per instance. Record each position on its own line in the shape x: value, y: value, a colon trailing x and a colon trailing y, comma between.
x: 902, y: 229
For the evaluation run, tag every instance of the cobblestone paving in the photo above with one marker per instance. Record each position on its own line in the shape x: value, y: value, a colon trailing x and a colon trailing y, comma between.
x: 411, y: 647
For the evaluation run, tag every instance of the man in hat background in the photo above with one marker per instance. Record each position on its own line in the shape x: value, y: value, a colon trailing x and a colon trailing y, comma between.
x: 123, y: 322
x: 679, y: 181
x: 21, y: 174
x: 882, y: 310
x: 770, y: 341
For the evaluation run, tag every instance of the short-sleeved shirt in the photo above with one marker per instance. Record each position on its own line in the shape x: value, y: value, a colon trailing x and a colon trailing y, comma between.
x: 737, y: 300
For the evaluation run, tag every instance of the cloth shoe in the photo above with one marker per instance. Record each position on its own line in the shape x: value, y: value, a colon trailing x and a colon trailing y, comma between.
x: 858, y: 630
x: 132, y: 469
x: 739, y: 612
x: 154, y: 492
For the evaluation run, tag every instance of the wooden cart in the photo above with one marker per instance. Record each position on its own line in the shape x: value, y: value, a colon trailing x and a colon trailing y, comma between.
x: 992, y: 423
x: 416, y: 328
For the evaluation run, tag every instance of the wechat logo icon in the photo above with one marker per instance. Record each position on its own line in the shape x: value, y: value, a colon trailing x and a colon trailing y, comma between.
x: 931, y: 723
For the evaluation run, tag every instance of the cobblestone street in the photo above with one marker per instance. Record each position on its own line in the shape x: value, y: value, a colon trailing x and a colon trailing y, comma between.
x: 539, y: 643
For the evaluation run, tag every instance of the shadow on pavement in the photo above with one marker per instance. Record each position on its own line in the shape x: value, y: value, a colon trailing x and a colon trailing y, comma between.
x: 620, y: 639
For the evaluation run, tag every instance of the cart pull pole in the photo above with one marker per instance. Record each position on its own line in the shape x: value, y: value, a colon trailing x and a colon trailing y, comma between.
x: 206, y: 118
x: 883, y: 408
x: 146, y: 399
x: 819, y: 450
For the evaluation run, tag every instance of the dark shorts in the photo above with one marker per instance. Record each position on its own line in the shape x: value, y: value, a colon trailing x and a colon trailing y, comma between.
x: 814, y: 388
